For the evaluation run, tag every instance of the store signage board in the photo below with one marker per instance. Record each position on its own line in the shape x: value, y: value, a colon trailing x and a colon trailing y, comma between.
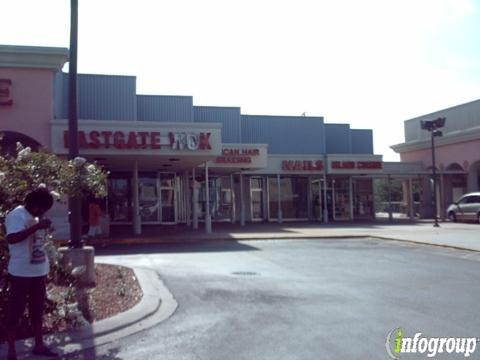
x: 122, y: 140
x: 302, y: 165
x: 314, y: 164
x: 237, y: 156
x: 242, y: 156
x: 355, y: 166
x: 140, y: 138
x: 292, y: 164
x: 6, y: 92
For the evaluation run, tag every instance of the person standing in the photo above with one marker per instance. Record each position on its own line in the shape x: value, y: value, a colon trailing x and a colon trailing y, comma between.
x: 28, y: 267
x: 94, y: 213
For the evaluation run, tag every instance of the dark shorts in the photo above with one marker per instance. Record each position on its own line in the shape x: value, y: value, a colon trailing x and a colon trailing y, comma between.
x: 23, y: 290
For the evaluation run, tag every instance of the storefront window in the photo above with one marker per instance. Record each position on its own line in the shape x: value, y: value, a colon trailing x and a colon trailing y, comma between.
x: 272, y: 198
x: 119, y: 199
x: 293, y: 197
x: 363, y: 193
x: 167, y: 197
x: 167, y: 180
x: 148, y: 197
x: 256, y: 183
x: 256, y: 198
x: 221, y: 199
x: 341, y: 198
x: 317, y: 199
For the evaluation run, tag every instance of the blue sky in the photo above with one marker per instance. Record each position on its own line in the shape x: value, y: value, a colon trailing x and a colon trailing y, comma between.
x: 370, y: 63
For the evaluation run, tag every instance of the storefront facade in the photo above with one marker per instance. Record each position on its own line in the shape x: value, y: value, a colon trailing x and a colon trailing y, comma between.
x: 313, y: 188
x: 171, y: 162
x: 457, y: 151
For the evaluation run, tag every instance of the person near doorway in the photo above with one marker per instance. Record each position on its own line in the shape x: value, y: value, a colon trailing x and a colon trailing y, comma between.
x: 94, y: 214
x: 28, y: 267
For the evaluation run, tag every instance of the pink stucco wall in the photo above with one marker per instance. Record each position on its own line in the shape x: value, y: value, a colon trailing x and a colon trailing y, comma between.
x: 465, y: 154
x: 32, y: 109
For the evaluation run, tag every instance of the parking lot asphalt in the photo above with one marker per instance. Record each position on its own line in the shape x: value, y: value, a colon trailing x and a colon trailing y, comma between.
x: 300, y: 299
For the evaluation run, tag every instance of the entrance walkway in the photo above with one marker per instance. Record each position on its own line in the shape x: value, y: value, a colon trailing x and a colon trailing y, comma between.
x: 464, y: 236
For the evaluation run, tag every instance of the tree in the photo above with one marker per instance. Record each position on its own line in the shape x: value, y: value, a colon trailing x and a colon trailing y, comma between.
x: 27, y: 170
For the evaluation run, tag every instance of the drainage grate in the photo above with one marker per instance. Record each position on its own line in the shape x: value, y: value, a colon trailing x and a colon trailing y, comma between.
x: 244, y: 273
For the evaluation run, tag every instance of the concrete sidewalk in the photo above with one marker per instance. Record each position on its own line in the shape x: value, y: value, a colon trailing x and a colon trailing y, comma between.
x: 456, y: 235
x: 157, y: 305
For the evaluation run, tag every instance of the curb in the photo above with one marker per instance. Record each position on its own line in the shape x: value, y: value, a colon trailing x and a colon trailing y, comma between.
x: 156, y: 306
x: 272, y: 236
x: 416, y: 242
x: 362, y: 236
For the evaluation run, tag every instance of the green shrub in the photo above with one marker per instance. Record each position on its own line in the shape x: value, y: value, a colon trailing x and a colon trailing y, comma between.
x: 19, y: 175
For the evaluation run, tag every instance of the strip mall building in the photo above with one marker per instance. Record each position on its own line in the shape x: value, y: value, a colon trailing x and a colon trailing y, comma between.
x: 457, y: 151
x: 168, y: 159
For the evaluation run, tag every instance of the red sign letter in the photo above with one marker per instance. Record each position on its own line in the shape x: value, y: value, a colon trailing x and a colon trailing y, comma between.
x: 204, y: 141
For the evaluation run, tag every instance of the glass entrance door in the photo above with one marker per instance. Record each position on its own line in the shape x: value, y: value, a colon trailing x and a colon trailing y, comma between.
x: 148, y: 198
x: 167, y: 184
x: 341, y: 199
x: 221, y: 199
x: 317, y: 199
x: 256, y: 198
x: 318, y: 189
x: 157, y: 198
x: 291, y: 193
x: 119, y: 199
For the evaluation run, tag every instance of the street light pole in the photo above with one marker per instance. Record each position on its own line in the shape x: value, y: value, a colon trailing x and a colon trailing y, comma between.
x: 74, y: 201
x: 432, y: 126
x: 434, y: 171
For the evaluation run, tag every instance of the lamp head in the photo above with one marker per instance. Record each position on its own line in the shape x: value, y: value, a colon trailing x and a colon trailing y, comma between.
x: 439, y: 122
x: 432, y: 125
x: 426, y: 125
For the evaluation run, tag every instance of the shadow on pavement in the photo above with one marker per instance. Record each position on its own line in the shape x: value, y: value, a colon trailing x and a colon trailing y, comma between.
x: 196, y: 247
x: 170, y: 233
x: 112, y: 354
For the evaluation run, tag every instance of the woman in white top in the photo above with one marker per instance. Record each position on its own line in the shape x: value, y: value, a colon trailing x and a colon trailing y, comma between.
x: 28, y: 267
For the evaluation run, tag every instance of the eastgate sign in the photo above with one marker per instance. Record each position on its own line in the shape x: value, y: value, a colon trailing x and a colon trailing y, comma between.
x: 146, y: 138
x: 103, y: 139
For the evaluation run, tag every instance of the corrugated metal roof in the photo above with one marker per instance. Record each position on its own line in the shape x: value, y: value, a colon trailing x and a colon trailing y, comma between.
x: 229, y: 117
x: 106, y: 97
x: 361, y: 141
x: 165, y: 108
x: 338, y: 138
x: 285, y: 134
x: 100, y: 97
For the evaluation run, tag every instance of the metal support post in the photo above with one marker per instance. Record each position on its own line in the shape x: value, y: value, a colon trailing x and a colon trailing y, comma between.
x: 390, y: 214
x: 208, y: 218
x: 410, y: 199
x: 279, y: 200
x: 195, y: 189
x: 242, y: 202
x: 137, y: 220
